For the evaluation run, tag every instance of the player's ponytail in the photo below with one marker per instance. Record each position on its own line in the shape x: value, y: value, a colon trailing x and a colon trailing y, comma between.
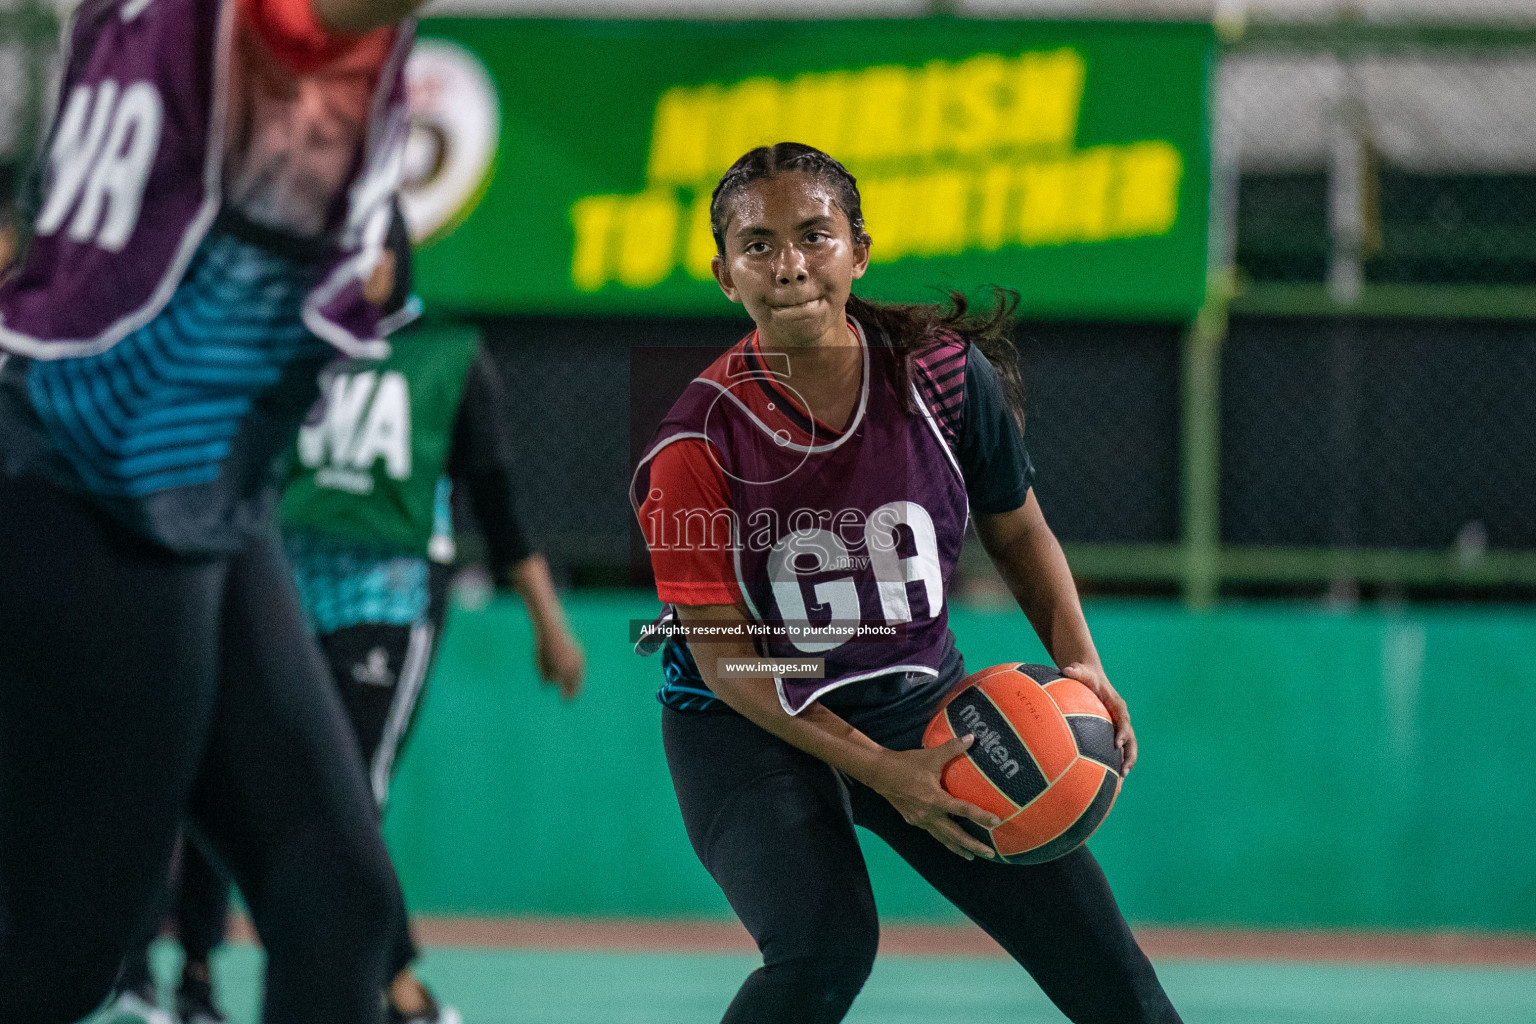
x: 902, y: 329
x: 909, y: 328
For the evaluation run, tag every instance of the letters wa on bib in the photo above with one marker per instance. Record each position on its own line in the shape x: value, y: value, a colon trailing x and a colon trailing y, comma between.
x: 371, y: 457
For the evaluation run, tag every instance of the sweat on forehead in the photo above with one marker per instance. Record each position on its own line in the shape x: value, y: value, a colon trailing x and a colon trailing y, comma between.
x: 786, y: 164
x: 791, y: 194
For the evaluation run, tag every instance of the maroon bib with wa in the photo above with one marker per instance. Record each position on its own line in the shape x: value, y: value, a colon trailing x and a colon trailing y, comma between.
x: 847, y: 541
x: 132, y: 182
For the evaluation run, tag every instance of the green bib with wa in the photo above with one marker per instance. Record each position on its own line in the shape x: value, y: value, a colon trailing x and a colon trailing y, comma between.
x: 369, y: 457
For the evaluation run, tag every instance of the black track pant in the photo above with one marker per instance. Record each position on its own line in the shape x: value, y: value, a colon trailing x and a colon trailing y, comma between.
x: 382, y: 706
x: 774, y: 827
x: 136, y: 687
x: 380, y: 672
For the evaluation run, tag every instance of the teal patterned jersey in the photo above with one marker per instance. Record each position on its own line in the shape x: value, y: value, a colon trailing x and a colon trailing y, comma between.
x: 344, y: 582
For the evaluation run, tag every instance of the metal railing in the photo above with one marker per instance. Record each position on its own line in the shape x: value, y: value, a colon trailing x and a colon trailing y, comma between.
x: 1202, y: 562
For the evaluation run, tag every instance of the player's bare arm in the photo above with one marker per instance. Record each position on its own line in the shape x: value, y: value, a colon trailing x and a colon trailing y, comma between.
x: 909, y: 779
x: 1031, y: 562
x: 557, y: 655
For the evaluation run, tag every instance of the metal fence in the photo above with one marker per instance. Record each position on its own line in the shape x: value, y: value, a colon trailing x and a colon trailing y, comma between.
x: 1359, y: 401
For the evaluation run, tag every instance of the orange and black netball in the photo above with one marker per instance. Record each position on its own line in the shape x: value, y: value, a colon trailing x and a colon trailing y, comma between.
x: 1044, y: 759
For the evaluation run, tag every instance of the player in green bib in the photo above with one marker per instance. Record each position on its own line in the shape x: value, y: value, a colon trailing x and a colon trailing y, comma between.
x: 368, y: 524
x: 367, y: 521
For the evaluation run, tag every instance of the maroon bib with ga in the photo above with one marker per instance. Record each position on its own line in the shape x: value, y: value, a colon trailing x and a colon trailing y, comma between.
x: 847, y: 541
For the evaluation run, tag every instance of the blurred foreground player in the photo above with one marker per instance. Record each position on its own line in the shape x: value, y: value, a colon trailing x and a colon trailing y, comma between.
x: 857, y: 440
x: 369, y: 530
x: 213, y: 197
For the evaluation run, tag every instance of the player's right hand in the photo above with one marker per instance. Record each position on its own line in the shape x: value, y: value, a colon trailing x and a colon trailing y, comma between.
x: 910, y: 780
x: 560, y: 663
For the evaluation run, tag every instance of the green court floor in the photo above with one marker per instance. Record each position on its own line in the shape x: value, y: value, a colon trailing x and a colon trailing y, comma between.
x: 564, y: 987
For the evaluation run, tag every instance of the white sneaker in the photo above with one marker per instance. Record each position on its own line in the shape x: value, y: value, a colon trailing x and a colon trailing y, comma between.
x: 438, y: 1014
x: 435, y: 1013
x: 132, y: 1007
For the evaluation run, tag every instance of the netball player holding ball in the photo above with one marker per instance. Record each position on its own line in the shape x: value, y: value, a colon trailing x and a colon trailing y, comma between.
x: 847, y: 442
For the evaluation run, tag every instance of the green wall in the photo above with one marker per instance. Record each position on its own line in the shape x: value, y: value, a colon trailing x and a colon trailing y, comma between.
x: 1298, y: 767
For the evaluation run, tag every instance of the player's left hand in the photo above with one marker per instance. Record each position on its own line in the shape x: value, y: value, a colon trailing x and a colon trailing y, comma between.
x: 1125, y: 736
x: 560, y: 663
x: 381, y: 282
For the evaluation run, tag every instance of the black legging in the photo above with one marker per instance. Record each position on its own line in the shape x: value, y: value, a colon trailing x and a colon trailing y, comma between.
x: 202, y: 912
x: 198, y: 895
x: 201, y: 899
x: 774, y: 827
x: 137, y: 687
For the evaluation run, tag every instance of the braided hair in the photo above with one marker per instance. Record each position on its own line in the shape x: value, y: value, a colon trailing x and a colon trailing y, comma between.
x: 900, y: 329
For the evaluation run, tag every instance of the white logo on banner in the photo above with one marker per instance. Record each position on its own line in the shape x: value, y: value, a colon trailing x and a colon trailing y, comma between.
x: 455, y: 130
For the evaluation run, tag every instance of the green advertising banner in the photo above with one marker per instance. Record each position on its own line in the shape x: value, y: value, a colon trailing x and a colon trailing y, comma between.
x: 566, y: 167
